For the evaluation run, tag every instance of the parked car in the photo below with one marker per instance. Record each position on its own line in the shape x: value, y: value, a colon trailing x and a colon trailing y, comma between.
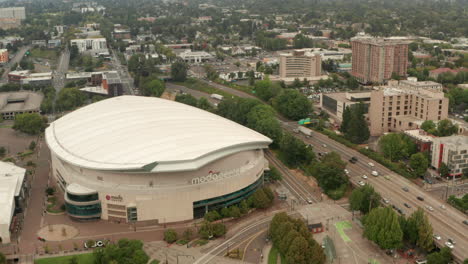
x: 420, y: 198
x: 437, y: 237
x: 449, y: 245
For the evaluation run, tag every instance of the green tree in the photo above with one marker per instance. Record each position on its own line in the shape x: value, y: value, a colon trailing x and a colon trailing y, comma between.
x: 186, y: 99
x: 396, y: 146
x: 2, y: 151
x: 364, y: 199
x: 266, y: 90
x: 2, y: 258
x: 428, y: 126
x: 204, y: 104
x: 30, y: 123
x: 179, y: 71
x: 235, y: 212
x: 444, y: 170
x: 419, y: 163
x: 260, y: 199
x: 124, y: 251
x: 446, y: 128
x: 69, y: 99
x: 355, y: 128
x: 444, y: 256
x: 292, y: 104
x: 212, y: 216
x: 382, y: 226
x: 153, y: 88
x: 274, y: 173
x: 170, y: 236
x: 236, y: 109
x: 261, y: 118
x: 425, y: 233
x: 32, y: 145
x: 294, y: 152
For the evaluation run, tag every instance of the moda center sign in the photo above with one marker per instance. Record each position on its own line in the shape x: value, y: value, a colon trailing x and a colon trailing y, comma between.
x: 216, y: 176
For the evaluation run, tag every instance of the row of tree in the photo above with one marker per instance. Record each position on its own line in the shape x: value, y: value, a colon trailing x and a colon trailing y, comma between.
x: 294, y: 241
x: 354, y: 125
x: 330, y: 175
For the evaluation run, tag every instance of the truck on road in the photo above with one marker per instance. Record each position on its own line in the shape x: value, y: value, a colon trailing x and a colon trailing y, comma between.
x: 217, y: 96
x: 305, y: 130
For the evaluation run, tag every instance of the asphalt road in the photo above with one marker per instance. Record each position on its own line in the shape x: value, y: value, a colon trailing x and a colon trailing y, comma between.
x: 448, y: 222
x: 16, y: 59
x: 125, y: 77
x: 61, y: 71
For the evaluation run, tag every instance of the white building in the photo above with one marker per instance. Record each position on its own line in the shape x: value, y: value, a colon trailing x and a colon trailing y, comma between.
x: 453, y: 151
x: 152, y: 160
x: 13, y: 12
x: 11, y: 195
x: 195, y: 56
x: 90, y: 45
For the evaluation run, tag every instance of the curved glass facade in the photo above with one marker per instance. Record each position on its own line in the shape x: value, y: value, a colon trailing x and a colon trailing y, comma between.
x: 82, y: 198
x: 84, y: 211
x: 215, y: 203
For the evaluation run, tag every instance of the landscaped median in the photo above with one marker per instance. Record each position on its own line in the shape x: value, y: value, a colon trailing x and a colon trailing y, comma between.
x: 87, y: 258
x: 198, y: 85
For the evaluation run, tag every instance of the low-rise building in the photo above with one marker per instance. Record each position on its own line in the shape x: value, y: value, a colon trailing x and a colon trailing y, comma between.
x: 39, y: 43
x: 93, y: 46
x: 300, y: 64
x: 13, y: 103
x: 26, y: 77
x: 336, y: 103
x: 106, y: 83
x: 54, y: 43
x: 4, y: 56
x: 195, y: 56
x: 453, y: 151
x: 12, y: 199
x: 422, y: 139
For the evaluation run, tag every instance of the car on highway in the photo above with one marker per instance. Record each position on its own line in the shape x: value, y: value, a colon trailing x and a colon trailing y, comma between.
x: 309, y: 201
x: 364, y: 176
x: 353, y: 160
x: 324, y: 145
x: 385, y: 200
x: 428, y: 207
x: 387, y: 177
x: 465, y: 222
x: 371, y: 164
x: 437, y: 237
x: 401, y: 211
x: 405, y: 189
x: 451, y: 241
x: 375, y: 173
x: 449, y: 245
x: 346, y: 171
x: 442, y: 207
x: 420, y: 198
x: 407, y: 205
x: 420, y: 261
x: 361, y: 183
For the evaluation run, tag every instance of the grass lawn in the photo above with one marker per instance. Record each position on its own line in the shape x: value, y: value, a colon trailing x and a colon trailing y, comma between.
x: 203, y: 87
x: 44, y: 53
x: 82, y: 259
x: 273, y: 256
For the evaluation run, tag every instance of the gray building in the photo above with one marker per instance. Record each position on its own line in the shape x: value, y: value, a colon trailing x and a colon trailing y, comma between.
x: 13, y: 103
x: 13, y: 12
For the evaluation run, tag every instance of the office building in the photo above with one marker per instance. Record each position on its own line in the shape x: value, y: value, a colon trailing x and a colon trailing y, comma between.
x: 404, y: 105
x: 336, y: 103
x: 13, y: 103
x: 453, y: 151
x: 375, y: 59
x: 13, y: 12
x: 92, y: 46
x: 300, y: 64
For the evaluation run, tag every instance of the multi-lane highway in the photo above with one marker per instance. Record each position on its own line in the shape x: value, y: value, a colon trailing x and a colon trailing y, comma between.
x: 16, y: 59
x: 446, y: 222
x: 125, y: 77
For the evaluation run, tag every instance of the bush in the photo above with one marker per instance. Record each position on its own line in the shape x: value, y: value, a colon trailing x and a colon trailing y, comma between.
x: 212, y: 216
x: 50, y: 191
x: 338, y: 193
x: 32, y: 145
x: 2, y: 151
x: 170, y: 236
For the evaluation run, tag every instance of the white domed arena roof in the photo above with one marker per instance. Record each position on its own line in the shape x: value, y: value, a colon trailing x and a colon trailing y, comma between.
x: 147, y: 134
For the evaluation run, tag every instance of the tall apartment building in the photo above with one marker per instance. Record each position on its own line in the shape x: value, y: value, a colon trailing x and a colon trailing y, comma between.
x: 300, y: 64
x: 375, y: 59
x: 3, y: 56
x: 453, y: 151
x: 405, y: 105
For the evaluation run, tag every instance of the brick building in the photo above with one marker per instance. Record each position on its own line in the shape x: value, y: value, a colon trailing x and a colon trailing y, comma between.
x: 375, y: 59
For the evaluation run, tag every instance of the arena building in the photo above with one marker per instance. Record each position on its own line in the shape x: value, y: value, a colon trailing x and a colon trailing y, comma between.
x: 150, y: 160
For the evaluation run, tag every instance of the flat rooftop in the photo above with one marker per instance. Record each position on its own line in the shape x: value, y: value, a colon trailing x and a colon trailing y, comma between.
x: 11, y: 181
x: 345, y: 97
x: 420, y: 135
x: 20, y: 101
